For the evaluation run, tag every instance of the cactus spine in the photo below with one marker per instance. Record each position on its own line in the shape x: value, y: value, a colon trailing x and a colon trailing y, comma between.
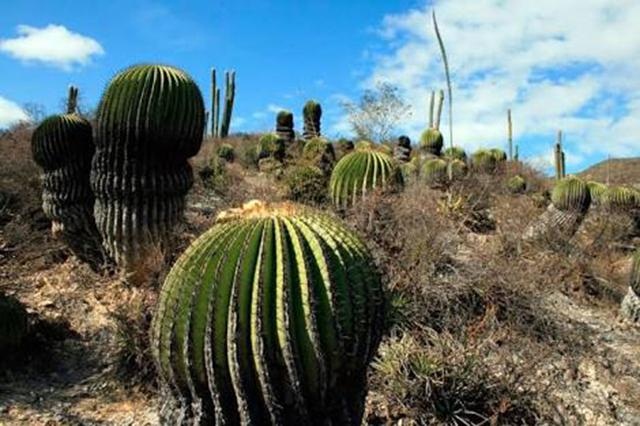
x: 270, y: 317
x: 312, y: 113
x: 150, y: 121
x: 62, y: 145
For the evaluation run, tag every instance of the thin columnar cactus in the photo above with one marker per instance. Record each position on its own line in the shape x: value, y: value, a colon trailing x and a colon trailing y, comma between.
x: 13, y: 324
x: 270, y: 317
x: 284, y: 127
x: 510, y: 134
x: 150, y: 122
x: 72, y: 100
x: 62, y: 145
x: 229, y: 97
x: 312, y: 114
x: 570, y: 201
x: 630, y: 307
x: 359, y: 173
x: 558, y: 157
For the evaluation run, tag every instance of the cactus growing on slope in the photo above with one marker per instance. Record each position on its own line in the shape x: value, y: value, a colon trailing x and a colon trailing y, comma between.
x: 312, y: 114
x: 570, y: 201
x: 596, y: 191
x: 434, y: 172
x: 150, y: 121
x: 517, y: 184
x: 484, y: 161
x: 360, y: 172
x: 270, y: 317
x: 62, y: 145
x: 284, y: 127
x: 455, y: 152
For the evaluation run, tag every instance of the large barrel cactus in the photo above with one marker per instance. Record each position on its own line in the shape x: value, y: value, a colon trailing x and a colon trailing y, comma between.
x: 62, y: 145
x: 150, y: 121
x: 312, y: 113
x: 270, y: 317
x: 431, y: 142
x: 570, y: 201
x: 631, y: 303
x: 360, y: 172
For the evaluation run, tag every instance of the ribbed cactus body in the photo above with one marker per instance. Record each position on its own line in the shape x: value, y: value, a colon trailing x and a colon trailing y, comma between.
x: 150, y: 122
x: 284, y: 126
x: 312, y: 113
x: 457, y: 169
x: 431, y: 142
x: 62, y: 145
x: 484, y: 161
x: 621, y: 199
x: 13, y: 324
x: 571, y: 194
x: 434, y: 172
x: 455, y: 153
x: 270, y: 317
x: 360, y: 172
x: 516, y: 184
x: 498, y: 154
x: 596, y: 192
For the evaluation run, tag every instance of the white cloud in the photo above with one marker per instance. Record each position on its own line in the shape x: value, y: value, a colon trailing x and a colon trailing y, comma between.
x: 10, y: 113
x: 52, y: 45
x: 547, y: 60
x: 273, y: 108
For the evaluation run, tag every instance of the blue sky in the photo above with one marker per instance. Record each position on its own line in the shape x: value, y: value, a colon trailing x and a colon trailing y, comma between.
x: 542, y: 59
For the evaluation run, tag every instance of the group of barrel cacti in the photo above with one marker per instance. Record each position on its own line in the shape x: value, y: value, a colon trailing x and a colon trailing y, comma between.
x: 126, y: 185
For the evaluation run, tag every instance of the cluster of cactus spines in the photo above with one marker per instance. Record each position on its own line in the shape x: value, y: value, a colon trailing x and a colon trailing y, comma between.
x: 360, y: 172
x: 72, y: 100
x: 270, y: 317
x: 559, y: 158
x: 621, y: 199
x: 455, y: 153
x: 484, y: 161
x: 220, y: 125
x: 284, y: 127
x: 402, y: 149
x: 150, y: 121
x: 517, y: 184
x: 434, y: 172
x: 630, y: 307
x: 570, y: 201
x: 62, y: 145
x: 312, y: 113
x: 597, y: 191
x: 13, y: 324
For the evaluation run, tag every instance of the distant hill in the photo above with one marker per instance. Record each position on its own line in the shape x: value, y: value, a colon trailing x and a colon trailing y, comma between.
x: 619, y: 170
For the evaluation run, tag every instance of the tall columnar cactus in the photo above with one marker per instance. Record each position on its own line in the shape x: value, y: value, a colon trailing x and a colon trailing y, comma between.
x: 220, y: 124
x: 284, y: 127
x: 270, y: 317
x: 402, y: 149
x: 570, y: 201
x: 13, y: 324
x: 360, y: 172
x: 62, y: 145
x: 72, y: 100
x: 434, y: 172
x: 150, y: 122
x: 510, y: 134
x: 312, y: 113
x: 630, y: 308
x: 484, y: 161
x: 558, y: 156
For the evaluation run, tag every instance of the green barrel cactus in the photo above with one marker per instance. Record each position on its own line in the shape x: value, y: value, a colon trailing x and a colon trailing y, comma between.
x: 271, y: 145
x: 360, y: 172
x: 226, y: 152
x: 62, y: 145
x: 630, y: 307
x: 498, y: 154
x: 150, y: 121
x: 284, y: 127
x: 517, y: 184
x: 431, y: 142
x: 570, y: 201
x: 484, y: 161
x: 312, y: 113
x: 364, y: 146
x: 270, y: 317
x: 455, y: 153
x: 596, y: 191
x: 434, y: 172
x: 621, y: 199
x: 13, y: 324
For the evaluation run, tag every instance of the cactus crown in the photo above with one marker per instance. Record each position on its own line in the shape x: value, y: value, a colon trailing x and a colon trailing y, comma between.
x: 270, y: 145
x: 161, y: 105
x: 312, y: 109
x: 431, y: 141
x: 359, y: 172
x: 316, y: 147
x: 455, y: 152
x: 404, y: 142
x: 61, y: 139
x: 571, y: 194
x: 363, y: 145
x: 284, y: 119
x: 273, y: 314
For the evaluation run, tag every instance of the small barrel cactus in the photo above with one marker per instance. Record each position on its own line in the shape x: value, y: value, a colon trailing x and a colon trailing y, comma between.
x: 361, y: 171
x: 150, y: 121
x: 284, y: 126
x: 517, y: 185
x: 498, y: 154
x: 431, y: 142
x: 621, y: 199
x: 312, y: 114
x: 457, y: 169
x: 570, y: 201
x: 270, y: 317
x: 455, y: 153
x: 13, y: 324
x: 630, y: 308
x: 63, y: 146
x: 402, y: 149
x: 596, y: 191
x: 270, y: 145
x: 484, y: 161
x: 434, y: 172
x: 226, y: 152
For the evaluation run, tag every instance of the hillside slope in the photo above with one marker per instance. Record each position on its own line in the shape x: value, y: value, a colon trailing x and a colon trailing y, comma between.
x: 618, y: 170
